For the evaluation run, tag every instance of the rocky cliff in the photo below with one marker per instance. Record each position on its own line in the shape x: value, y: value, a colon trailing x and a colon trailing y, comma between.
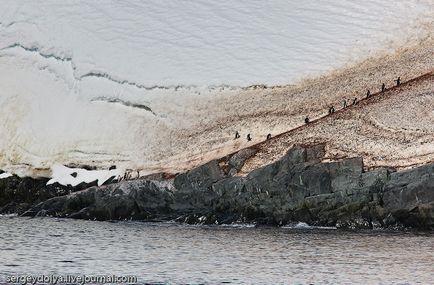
x: 299, y: 187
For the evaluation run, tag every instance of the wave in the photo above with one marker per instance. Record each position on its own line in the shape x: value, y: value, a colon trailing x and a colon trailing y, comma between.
x: 305, y: 226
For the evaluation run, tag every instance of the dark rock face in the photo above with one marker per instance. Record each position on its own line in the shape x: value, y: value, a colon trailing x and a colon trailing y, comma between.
x: 200, y: 178
x: 19, y: 194
x: 139, y: 200
x: 298, y: 187
x: 237, y: 160
x: 409, y: 197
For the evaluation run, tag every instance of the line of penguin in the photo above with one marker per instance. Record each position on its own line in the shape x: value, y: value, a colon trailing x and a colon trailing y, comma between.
x: 331, y: 109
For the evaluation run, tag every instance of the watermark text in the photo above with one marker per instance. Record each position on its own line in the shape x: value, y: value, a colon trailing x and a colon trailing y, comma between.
x: 70, y: 279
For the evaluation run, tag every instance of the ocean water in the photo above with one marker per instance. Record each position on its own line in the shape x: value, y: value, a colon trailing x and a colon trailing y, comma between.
x: 175, y: 254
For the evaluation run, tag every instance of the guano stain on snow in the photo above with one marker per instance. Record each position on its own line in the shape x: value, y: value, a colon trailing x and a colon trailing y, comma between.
x: 188, y: 63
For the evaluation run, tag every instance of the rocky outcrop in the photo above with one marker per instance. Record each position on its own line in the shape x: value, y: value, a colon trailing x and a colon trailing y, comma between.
x: 409, y: 197
x: 18, y: 194
x: 137, y: 199
x: 236, y: 161
x: 296, y: 188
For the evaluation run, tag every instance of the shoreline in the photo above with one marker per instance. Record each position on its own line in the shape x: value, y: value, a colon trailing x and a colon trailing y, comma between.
x: 299, y: 187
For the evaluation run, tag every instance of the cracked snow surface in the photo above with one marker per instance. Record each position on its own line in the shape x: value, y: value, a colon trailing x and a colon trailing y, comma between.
x: 164, y: 85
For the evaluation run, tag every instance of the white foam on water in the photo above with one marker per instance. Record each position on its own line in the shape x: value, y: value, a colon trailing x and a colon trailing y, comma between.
x: 8, y: 215
x: 238, y: 225
x: 303, y: 225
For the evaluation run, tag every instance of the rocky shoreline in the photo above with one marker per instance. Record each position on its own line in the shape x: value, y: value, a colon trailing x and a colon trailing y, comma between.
x: 297, y: 188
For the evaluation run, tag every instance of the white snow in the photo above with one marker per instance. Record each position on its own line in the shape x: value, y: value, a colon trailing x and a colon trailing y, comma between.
x: 171, y: 43
x: 74, y: 176
x: 91, y: 82
x: 5, y: 175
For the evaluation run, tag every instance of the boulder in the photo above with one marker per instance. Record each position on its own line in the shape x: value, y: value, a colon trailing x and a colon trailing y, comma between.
x: 237, y: 160
x: 409, y: 197
x: 199, y: 178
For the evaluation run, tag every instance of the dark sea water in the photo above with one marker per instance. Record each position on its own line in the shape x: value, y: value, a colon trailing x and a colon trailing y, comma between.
x: 173, y: 253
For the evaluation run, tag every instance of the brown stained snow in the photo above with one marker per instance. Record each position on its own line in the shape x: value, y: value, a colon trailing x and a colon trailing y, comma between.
x: 391, y: 130
x: 394, y: 129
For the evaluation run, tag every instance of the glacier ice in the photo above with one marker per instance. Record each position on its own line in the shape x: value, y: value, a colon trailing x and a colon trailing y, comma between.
x: 125, y: 82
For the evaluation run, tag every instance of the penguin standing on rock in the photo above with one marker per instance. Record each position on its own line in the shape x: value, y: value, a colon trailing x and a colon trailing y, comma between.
x: 383, y: 88
x: 237, y: 135
x: 398, y: 81
x: 268, y: 136
x: 306, y: 120
x: 345, y: 103
x: 249, y: 138
x: 368, y: 94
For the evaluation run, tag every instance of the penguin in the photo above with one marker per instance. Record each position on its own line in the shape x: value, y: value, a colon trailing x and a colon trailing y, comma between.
x: 306, y: 120
x: 237, y: 135
x: 268, y: 136
x: 249, y: 138
x: 331, y: 110
x: 368, y: 94
x: 383, y: 88
x: 355, y: 101
x: 398, y: 81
